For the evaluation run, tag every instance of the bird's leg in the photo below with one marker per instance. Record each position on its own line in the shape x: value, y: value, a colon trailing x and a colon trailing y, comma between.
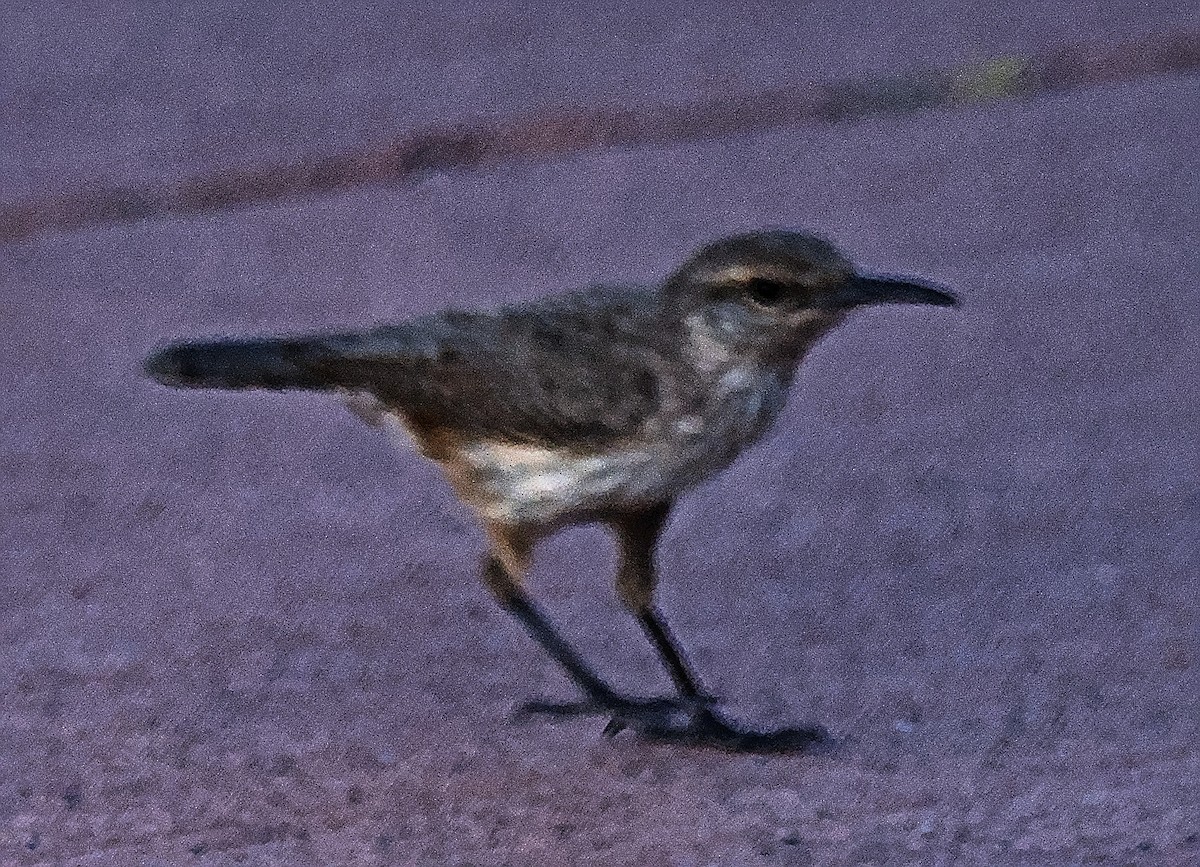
x: 668, y: 649
x: 637, y: 533
x: 703, y: 726
x: 517, y: 602
x: 687, y: 720
x: 508, y: 561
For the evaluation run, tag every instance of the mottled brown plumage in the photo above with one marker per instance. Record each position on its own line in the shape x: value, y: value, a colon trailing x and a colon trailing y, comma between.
x: 603, y: 405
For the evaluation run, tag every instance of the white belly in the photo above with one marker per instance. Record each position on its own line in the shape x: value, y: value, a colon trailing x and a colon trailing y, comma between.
x: 531, y: 484
x: 524, y: 484
x: 520, y: 483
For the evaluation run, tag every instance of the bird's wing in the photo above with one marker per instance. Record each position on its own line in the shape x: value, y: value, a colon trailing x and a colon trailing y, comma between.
x: 576, y: 371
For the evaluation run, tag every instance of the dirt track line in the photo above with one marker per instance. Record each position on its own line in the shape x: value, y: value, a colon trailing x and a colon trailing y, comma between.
x: 547, y: 135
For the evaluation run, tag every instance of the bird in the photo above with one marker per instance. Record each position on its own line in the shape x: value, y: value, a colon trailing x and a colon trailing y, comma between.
x: 602, y: 405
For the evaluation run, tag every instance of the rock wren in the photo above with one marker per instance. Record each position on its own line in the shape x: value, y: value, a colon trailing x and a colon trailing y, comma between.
x: 599, y: 406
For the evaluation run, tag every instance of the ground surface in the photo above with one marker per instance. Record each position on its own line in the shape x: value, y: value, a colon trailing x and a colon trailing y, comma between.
x: 242, y: 630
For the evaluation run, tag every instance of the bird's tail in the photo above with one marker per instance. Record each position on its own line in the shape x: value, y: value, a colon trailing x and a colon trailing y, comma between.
x: 318, y: 362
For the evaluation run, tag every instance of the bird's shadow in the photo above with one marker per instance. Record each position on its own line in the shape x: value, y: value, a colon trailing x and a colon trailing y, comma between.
x: 665, y: 721
x: 712, y: 731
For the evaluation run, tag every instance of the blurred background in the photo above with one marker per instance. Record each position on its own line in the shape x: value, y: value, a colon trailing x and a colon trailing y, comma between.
x: 243, y: 630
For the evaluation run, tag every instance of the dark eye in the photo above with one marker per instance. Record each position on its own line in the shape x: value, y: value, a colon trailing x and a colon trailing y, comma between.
x: 766, y: 292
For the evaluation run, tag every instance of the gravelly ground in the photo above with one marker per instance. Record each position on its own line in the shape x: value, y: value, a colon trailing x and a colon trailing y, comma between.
x: 242, y: 630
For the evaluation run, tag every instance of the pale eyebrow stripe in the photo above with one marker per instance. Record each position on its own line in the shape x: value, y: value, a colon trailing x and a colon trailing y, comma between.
x: 746, y: 273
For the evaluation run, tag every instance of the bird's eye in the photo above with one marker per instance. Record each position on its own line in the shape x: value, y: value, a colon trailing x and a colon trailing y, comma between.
x: 766, y: 292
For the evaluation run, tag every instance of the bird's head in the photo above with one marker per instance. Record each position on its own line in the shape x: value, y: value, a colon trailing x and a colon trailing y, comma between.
x: 778, y: 290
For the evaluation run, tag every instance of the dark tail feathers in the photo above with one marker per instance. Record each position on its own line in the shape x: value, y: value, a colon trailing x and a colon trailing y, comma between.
x: 306, y: 363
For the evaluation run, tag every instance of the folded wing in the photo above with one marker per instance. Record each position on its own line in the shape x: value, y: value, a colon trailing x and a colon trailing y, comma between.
x: 578, y: 370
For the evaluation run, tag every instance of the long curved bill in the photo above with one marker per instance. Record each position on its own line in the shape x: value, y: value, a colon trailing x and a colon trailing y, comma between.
x: 866, y: 289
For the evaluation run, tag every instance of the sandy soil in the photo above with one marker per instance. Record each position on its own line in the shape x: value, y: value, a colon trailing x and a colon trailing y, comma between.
x: 243, y: 630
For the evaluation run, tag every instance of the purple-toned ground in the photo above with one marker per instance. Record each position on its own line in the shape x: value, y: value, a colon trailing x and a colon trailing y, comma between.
x: 241, y: 629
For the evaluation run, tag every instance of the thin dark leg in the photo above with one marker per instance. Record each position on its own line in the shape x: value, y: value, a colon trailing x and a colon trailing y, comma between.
x: 601, y: 698
x: 664, y: 720
x: 517, y: 603
x: 638, y: 532
x: 706, y: 727
x: 668, y: 648
x: 702, y: 724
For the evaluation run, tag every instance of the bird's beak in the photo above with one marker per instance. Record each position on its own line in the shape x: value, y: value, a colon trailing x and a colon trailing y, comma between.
x: 864, y: 289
